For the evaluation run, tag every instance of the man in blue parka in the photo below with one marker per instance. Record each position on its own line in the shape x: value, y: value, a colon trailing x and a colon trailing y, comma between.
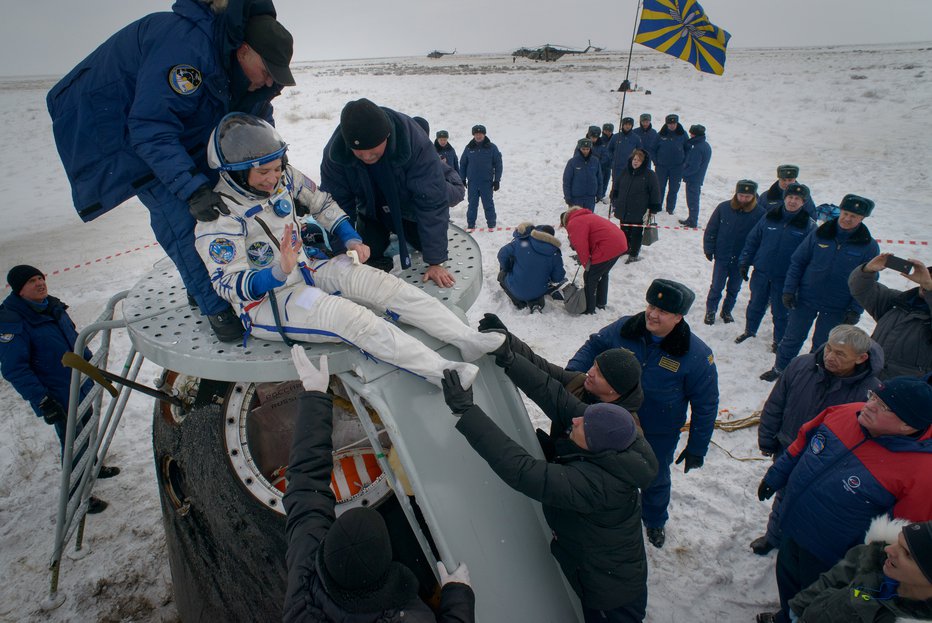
x: 648, y: 135
x: 678, y: 373
x: 446, y: 151
x: 133, y: 119
x: 723, y: 241
x: 670, y: 155
x: 382, y: 169
x: 773, y: 197
x: 816, y: 284
x: 621, y: 146
x: 481, y: 170
x: 605, y: 139
x: 698, y: 155
x: 531, y: 266
x: 769, y: 247
x: 582, y: 177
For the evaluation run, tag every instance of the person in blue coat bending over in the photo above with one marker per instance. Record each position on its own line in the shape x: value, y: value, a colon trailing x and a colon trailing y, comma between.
x: 678, y: 373
x: 816, y: 285
x: 582, y: 177
x: 698, y: 155
x: 133, y: 119
x: 668, y: 158
x: 481, y: 170
x: 531, y: 266
x: 723, y: 241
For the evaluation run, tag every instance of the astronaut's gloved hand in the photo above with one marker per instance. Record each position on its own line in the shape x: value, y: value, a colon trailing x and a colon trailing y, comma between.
x: 313, y: 379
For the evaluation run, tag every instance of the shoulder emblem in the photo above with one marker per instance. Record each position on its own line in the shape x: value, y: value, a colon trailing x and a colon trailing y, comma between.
x: 260, y: 253
x: 184, y: 79
x: 822, y: 246
x: 6, y: 337
x: 222, y: 250
x: 669, y: 364
x: 711, y: 359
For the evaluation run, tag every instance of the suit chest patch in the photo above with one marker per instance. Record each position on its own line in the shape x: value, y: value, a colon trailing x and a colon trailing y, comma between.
x: 669, y: 364
x: 260, y: 254
x: 184, y: 79
x: 222, y: 250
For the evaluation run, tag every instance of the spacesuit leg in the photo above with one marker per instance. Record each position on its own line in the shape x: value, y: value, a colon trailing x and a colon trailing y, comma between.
x: 411, y: 305
x: 310, y: 315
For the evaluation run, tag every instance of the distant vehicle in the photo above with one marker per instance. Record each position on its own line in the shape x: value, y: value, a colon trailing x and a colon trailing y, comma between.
x: 550, y: 52
x: 438, y: 53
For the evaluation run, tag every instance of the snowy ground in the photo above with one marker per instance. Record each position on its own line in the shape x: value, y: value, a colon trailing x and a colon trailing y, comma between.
x: 848, y: 116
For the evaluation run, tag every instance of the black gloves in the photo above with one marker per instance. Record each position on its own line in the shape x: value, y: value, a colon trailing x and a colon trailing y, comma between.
x: 745, y: 270
x: 491, y: 322
x: 504, y: 356
x: 206, y: 205
x: 709, y: 256
x: 765, y: 491
x: 52, y: 411
x: 851, y: 317
x: 692, y: 461
x: 769, y: 449
x: 494, y: 186
x: 457, y: 398
x: 789, y: 301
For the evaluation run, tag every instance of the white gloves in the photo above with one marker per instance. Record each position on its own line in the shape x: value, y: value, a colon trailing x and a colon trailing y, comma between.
x: 314, y: 380
x: 460, y: 574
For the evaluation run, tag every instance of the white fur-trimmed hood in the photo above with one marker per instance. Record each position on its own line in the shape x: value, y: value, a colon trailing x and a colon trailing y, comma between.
x: 885, y: 530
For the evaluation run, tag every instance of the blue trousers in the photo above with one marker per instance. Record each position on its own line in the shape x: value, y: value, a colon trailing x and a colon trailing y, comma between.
x: 587, y: 202
x: 173, y: 227
x: 796, y: 569
x: 797, y: 328
x: 671, y: 176
x: 725, y: 274
x: 656, y: 497
x: 606, y: 178
x: 764, y: 290
x: 693, y: 191
x: 475, y: 192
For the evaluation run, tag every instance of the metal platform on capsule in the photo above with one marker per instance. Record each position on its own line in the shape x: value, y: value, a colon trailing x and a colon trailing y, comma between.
x: 174, y: 335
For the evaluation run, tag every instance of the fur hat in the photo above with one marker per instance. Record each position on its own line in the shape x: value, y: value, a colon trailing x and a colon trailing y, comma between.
x: 478, y: 128
x: 919, y: 538
x: 443, y: 134
x: 364, y: 125
x: 857, y: 205
x: 910, y: 398
x: 608, y: 427
x: 800, y: 190
x: 670, y: 296
x: 594, y: 130
x: 787, y: 172
x: 274, y: 44
x: 746, y: 187
x: 584, y: 142
x: 671, y: 118
x: 621, y: 369
x: 608, y: 127
x: 19, y: 275
x: 645, y: 116
x: 629, y: 120
x: 698, y: 130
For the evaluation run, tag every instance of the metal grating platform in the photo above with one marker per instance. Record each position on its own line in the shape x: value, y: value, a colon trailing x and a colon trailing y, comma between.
x: 174, y: 335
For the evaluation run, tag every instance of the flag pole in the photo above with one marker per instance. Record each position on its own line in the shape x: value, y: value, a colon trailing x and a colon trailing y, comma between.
x: 628, y: 69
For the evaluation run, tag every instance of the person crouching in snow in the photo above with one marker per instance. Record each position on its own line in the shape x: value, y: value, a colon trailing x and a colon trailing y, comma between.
x: 283, y: 291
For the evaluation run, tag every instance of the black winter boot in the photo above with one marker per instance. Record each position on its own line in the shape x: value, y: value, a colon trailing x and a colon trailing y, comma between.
x: 226, y: 326
x: 743, y: 336
x: 761, y: 546
x: 727, y: 317
x: 656, y: 536
x: 709, y: 318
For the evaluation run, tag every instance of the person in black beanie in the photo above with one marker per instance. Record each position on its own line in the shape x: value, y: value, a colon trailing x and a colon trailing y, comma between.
x: 35, y: 331
x: 382, y: 169
x: 342, y: 569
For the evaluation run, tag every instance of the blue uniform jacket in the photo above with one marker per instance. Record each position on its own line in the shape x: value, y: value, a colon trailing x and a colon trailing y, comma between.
x: 677, y: 372
x: 531, y: 261
x: 31, y: 346
x: 582, y: 180
x: 698, y: 155
x: 671, y: 147
x: 648, y: 138
x: 728, y: 229
x: 447, y: 153
x: 771, y: 243
x: 418, y: 193
x: 140, y: 109
x: 837, y: 478
x: 620, y: 149
x: 820, y: 266
x: 481, y: 164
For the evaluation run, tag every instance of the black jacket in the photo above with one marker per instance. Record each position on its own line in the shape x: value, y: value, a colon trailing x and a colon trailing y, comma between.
x: 591, y: 500
x: 634, y: 193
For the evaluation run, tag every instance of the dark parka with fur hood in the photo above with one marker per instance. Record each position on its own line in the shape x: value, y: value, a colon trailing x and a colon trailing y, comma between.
x: 591, y: 500
x: 634, y: 192
x: 531, y: 262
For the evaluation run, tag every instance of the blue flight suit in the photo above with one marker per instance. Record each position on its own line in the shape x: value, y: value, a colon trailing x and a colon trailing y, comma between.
x: 698, y: 155
x: 671, y: 153
x: 480, y: 168
x: 724, y: 238
x: 582, y: 180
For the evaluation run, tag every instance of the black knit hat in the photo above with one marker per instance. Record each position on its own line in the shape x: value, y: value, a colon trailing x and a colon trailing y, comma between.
x: 797, y: 189
x: 670, y: 296
x: 584, y: 142
x: 19, y: 275
x: 364, y: 125
x: 857, y: 205
x: 421, y: 121
x: 787, y: 172
x: 608, y: 427
x: 478, y: 128
x: 909, y: 398
x: 746, y: 187
x: 919, y: 538
x: 274, y: 44
x: 608, y: 127
x: 621, y: 369
x: 698, y: 129
x: 671, y: 118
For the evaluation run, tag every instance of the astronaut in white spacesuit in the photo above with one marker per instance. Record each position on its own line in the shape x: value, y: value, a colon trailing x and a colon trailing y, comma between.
x: 285, y: 291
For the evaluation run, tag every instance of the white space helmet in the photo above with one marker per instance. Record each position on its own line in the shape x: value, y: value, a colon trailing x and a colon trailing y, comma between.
x: 241, y: 142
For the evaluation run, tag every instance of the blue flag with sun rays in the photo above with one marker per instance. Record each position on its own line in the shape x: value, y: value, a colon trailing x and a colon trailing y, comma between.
x: 680, y: 28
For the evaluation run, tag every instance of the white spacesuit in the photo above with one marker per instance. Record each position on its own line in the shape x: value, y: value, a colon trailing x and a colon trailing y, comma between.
x: 317, y: 300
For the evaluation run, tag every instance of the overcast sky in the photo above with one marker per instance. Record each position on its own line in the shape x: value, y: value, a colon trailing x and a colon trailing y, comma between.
x: 39, y: 37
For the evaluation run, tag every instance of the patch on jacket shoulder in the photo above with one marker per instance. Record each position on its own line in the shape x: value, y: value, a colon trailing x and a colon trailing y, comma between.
x: 222, y: 250
x: 711, y: 358
x: 822, y: 246
x: 260, y: 253
x: 6, y: 337
x: 184, y: 79
x: 669, y: 364
x: 817, y: 444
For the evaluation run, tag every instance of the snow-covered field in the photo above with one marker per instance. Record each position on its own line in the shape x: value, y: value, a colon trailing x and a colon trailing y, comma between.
x: 851, y: 117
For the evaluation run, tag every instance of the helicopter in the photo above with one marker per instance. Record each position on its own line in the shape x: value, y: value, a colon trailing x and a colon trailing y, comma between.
x: 438, y: 53
x: 550, y: 52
